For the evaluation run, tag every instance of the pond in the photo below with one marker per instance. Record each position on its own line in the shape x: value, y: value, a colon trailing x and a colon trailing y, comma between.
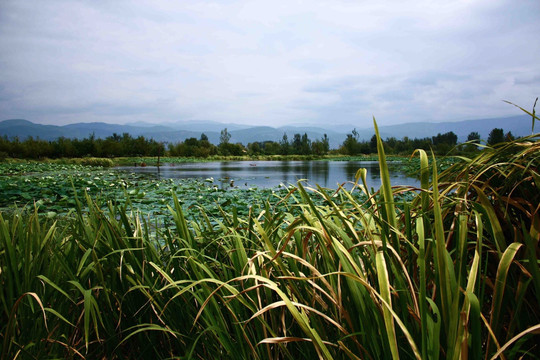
x: 267, y: 174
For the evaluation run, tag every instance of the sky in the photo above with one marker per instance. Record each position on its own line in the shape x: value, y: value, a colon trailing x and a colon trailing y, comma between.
x: 274, y: 63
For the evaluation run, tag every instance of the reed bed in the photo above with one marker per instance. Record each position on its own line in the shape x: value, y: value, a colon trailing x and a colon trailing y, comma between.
x: 452, y: 273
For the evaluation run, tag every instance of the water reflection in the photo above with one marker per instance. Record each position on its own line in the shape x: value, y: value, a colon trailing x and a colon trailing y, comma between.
x: 351, y: 168
x: 272, y: 173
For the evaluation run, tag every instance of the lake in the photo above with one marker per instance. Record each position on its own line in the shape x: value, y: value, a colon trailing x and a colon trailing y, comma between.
x: 267, y: 174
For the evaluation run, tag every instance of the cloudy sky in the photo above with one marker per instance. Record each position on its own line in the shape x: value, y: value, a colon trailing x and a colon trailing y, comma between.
x: 267, y: 62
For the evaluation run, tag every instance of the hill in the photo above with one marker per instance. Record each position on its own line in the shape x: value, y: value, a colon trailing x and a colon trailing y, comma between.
x: 175, y: 132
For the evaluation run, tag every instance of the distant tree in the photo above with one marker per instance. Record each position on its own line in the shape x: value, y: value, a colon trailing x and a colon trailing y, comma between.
x: 224, y: 146
x: 326, y: 144
x: 297, y: 144
x: 63, y: 147
x: 205, y: 148
x: 320, y: 147
x: 179, y: 149
x: 496, y: 136
x: 140, y: 146
x: 349, y: 146
x: 254, y: 148
x: 473, y: 139
x: 192, y: 147
x: 443, y: 143
x: 390, y: 144
x: 373, y: 144
x: 284, y: 145
x: 509, y: 136
x: 448, y: 138
x: 232, y: 149
x: 225, y: 137
x: 403, y: 145
x: 306, y: 145
x: 271, y: 148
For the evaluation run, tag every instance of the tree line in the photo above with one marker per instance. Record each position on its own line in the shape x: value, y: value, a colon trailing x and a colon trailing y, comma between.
x: 112, y: 146
x: 127, y: 146
x: 299, y: 145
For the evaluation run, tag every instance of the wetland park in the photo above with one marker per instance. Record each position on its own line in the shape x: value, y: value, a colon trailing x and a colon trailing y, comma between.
x: 354, y: 256
x: 268, y: 180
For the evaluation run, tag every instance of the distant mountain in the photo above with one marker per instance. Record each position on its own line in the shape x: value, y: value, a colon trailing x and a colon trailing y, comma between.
x: 519, y: 126
x: 176, y: 132
x: 25, y: 128
x: 205, y: 126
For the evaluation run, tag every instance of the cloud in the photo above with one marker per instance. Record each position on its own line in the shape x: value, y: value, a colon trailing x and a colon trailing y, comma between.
x: 266, y: 62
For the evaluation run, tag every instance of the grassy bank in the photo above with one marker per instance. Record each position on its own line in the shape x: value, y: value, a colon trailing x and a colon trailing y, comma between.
x: 152, y: 161
x: 452, y: 272
x: 164, y: 160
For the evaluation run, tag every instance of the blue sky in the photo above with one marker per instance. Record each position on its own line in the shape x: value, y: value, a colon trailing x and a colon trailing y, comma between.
x: 267, y: 62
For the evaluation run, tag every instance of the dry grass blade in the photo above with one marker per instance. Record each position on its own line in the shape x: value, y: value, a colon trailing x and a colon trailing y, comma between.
x: 11, y: 324
x: 532, y: 330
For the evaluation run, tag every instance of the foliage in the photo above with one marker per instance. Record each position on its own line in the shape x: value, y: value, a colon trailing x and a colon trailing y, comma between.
x: 496, y: 136
x: 447, y: 272
x: 116, y: 146
x: 112, y: 146
x: 50, y: 186
x: 224, y: 137
x: 192, y: 147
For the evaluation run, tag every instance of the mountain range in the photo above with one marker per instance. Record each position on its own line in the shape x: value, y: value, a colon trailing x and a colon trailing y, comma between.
x: 175, y: 132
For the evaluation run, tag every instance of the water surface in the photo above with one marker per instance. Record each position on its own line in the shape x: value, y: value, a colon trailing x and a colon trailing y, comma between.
x: 266, y: 174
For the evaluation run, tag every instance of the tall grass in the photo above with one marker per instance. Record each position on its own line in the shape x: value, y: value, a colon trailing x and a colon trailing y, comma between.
x: 452, y: 273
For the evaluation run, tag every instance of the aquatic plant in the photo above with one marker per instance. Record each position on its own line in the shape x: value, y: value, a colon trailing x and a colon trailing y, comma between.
x: 448, y: 271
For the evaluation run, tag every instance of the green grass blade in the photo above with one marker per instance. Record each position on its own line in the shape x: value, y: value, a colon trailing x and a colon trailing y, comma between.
x: 384, y: 286
x: 500, y: 285
x: 386, y: 187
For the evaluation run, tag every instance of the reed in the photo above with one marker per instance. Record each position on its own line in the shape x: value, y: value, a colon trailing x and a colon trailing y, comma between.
x: 451, y: 273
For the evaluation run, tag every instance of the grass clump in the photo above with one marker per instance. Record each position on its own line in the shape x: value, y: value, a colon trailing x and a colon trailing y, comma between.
x: 448, y: 271
x: 92, y: 161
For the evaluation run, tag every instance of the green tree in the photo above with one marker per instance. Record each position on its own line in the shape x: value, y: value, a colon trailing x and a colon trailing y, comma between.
x: 320, y: 147
x: 284, y: 145
x: 474, y: 136
x: 444, y: 143
x: 297, y: 144
x: 496, y: 136
x: 351, y: 145
x: 509, y: 136
x: 448, y: 138
x: 224, y: 137
x: 473, y: 139
x: 373, y: 144
x: 254, y: 148
x: 224, y: 146
x: 306, y: 145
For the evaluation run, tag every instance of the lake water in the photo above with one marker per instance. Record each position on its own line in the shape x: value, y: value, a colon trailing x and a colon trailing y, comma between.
x: 268, y: 174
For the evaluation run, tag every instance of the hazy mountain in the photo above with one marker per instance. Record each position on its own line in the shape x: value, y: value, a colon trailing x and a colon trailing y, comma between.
x: 179, y: 131
x: 25, y: 128
x: 205, y: 126
x: 519, y: 126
